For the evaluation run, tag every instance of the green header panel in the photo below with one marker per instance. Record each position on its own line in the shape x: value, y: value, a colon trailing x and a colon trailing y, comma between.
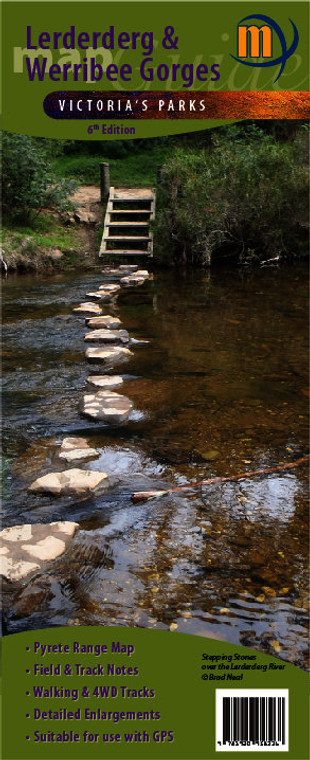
x: 119, y: 54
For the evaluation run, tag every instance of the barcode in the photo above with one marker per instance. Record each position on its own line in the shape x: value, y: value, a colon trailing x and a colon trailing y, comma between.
x: 252, y: 719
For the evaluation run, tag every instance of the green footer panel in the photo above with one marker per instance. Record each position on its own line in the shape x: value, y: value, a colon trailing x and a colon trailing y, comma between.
x: 113, y: 692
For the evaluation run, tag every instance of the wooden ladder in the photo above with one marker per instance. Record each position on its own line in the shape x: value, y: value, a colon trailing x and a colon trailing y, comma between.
x: 126, y: 230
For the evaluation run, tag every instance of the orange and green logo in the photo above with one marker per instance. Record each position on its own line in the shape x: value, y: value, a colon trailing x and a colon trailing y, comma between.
x: 257, y: 42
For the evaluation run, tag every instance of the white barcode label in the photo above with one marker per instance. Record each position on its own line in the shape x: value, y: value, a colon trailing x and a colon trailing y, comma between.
x: 251, y: 720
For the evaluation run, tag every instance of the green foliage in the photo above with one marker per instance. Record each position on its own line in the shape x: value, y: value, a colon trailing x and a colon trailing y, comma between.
x: 137, y: 166
x: 247, y: 193
x: 29, y: 184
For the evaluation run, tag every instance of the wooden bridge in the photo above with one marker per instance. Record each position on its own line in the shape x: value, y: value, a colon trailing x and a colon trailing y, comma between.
x: 127, y: 220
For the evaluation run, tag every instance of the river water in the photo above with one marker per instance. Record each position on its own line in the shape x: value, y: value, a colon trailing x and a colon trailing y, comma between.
x: 220, y: 388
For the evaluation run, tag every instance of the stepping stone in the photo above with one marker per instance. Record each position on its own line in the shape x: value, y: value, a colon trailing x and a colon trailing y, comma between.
x: 110, y: 272
x: 142, y: 273
x: 110, y: 288
x: 108, y: 382
x: 70, y: 481
x: 88, y: 308
x: 100, y: 295
x: 108, y: 355
x: 107, y: 406
x: 71, y: 443
x: 121, y: 271
x: 110, y: 323
x: 107, y: 336
x: 132, y: 281
x: 76, y: 448
x: 135, y: 279
x: 24, y: 548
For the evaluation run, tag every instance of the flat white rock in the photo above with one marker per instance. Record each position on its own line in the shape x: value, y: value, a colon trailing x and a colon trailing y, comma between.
x: 110, y: 288
x: 107, y: 336
x: 73, y: 443
x: 133, y: 280
x: 109, y: 355
x: 88, y: 308
x: 70, y: 481
x: 73, y: 449
x: 108, y: 382
x: 100, y: 295
x: 78, y: 455
x: 107, y: 406
x: 26, y: 547
x: 110, y: 323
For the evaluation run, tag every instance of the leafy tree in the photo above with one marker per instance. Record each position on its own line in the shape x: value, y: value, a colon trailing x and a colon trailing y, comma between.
x: 247, y: 192
x: 28, y: 183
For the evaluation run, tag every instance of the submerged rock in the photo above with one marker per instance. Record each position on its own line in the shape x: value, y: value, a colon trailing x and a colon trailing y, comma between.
x: 108, y: 382
x: 108, y: 355
x: 26, y: 547
x: 34, y: 595
x: 107, y: 336
x: 87, y: 308
x: 76, y: 448
x: 70, y: 481
x: 110, y: 323
x: 107, y: 406
x: 209, y: 455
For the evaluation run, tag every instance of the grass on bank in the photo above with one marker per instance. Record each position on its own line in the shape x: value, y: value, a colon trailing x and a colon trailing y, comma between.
x: 35, y: 247
x: 138, y: 168
x: 238, y: 192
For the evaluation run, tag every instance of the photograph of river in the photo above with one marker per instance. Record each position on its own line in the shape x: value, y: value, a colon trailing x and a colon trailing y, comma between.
x: 217, y: 377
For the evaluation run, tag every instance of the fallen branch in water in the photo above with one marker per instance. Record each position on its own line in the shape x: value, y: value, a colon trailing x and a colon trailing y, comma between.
x: 147, y: 495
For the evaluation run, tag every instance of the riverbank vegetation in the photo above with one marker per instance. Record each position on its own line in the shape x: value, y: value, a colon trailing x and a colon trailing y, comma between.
x: 243, y: 196
x: 33, y: 236
x: 41, y: 229
x: 239, y: 191
x: 29, y: 182
x: 42, y: 245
